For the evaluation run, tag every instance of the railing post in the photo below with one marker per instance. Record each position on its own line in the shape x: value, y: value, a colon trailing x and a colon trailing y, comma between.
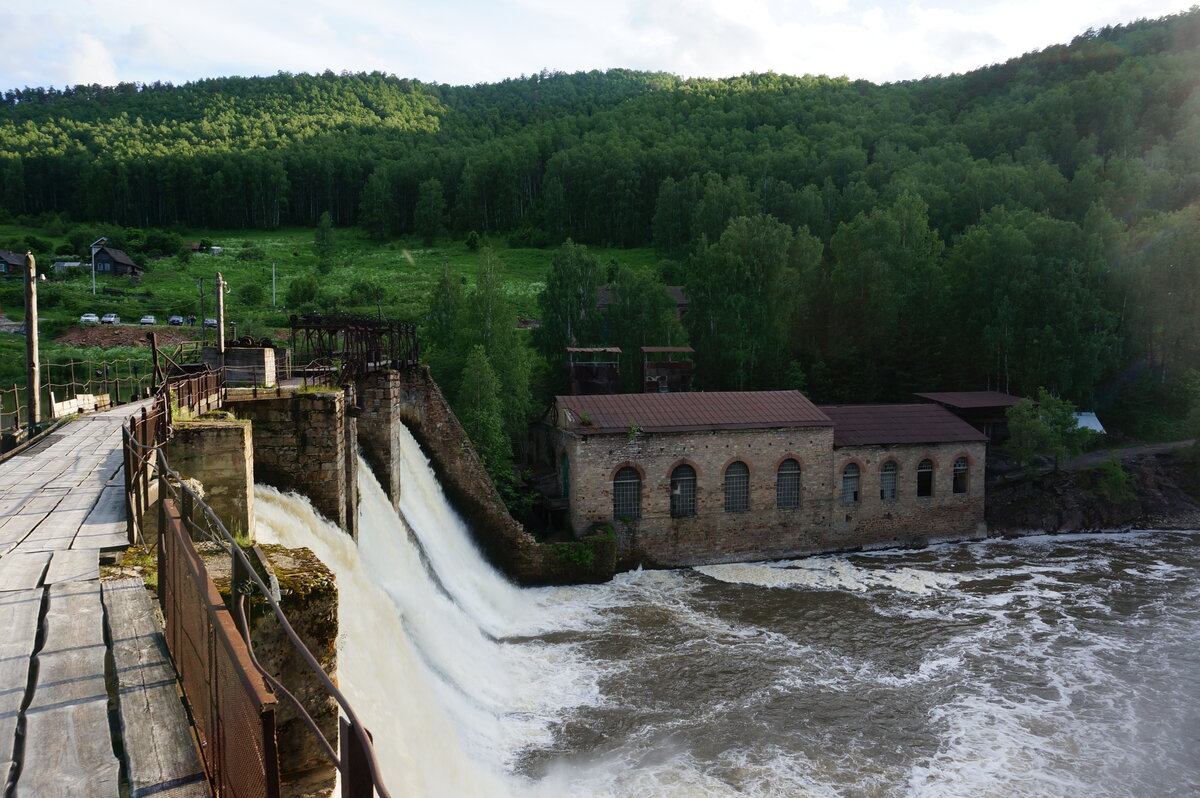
x: 356, y: 769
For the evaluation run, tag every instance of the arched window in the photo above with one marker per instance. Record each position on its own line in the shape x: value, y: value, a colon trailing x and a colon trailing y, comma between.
x: 887, y: 481
x: 850, y: 483
x: 960, y: 475
x: 925, y: 478
x: 737, y: 488
x: 787, y: 485
x: 627, y: 495
x: 683, y: 491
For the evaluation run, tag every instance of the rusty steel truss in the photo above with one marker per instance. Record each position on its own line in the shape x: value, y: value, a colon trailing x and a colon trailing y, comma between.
x: 360, y: 344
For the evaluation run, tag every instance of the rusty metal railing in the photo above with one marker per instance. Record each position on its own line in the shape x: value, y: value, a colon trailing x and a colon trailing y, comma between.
x: 232, y: 707
x: 224, y: 682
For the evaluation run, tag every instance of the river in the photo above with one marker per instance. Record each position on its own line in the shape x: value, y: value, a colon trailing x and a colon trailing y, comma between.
x: 1044, y: 666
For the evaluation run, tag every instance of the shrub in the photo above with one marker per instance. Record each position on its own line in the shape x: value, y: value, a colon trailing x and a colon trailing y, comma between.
x: 1113, y: 482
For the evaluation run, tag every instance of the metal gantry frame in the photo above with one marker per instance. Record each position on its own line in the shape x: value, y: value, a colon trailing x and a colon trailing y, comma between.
x: 361, y: 344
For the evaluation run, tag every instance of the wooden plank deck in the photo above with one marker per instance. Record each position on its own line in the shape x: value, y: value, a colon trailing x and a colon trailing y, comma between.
x: 73, y: 565
x: 19, y: 614
x: 23, y: 570
x: 61, y: 504
x: 160, y: 752
x: 68, y: 747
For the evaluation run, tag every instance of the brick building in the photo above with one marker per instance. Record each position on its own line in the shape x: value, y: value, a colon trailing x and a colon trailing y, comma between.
x: 691, y: 478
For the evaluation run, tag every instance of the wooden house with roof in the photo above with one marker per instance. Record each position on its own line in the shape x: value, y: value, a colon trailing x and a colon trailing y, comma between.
x: 12, y: 265
x: 112, y: 261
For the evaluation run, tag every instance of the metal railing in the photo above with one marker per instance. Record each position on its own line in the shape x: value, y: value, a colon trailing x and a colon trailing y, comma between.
x: 240, y: 753
x: 232, y: 708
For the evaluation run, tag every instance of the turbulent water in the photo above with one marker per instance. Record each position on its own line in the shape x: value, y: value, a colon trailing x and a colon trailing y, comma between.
x: 1052, y: 666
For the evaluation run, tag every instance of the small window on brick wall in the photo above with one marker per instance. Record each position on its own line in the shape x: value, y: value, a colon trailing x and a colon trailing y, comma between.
x: 850, y: 476
x: 925, y: 478
x: 787, y: 485
x: 683, y: 491
x: 627, y: 495
x: 737, y: 488
x: 961, y: 473
x: 887, y: 481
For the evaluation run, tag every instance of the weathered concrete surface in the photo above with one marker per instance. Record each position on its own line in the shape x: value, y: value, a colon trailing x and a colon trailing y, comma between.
x: 218, y: 453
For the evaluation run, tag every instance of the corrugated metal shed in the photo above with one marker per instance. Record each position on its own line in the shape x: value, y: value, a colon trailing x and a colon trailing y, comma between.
x: 865, y: 425
x: 1090, y: 421
x: 683, y: 412
x: 970, y: 400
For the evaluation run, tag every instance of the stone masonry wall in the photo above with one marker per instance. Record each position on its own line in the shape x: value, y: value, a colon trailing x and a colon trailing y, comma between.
x: 907, y: 519
x: 218, y: 454
x: 821, y: 523
x: 422, y: 407
x: 379, y: 402
x: 306, y: 443
x: 712, y: 535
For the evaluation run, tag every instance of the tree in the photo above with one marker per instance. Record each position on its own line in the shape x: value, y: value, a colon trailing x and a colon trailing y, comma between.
x: 490, y: 321
x: 568, y: 303
x: 642, y: 313
x: 443, y: 325
x: 302, y: 290
x: 377, y: 209
x: 742, y: 292
x: 323, y: 246
x: 430, y: 212
x: 1044, y: 427
x: 478, y: 408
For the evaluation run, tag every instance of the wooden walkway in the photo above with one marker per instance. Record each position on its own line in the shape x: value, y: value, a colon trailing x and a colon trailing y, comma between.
x: 88, y: 703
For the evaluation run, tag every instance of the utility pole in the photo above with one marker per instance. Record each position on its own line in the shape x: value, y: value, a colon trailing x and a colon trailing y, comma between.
x: 272, y: 283
x: 34, y: 380
x: 95, y: 247
x: 221, y: 318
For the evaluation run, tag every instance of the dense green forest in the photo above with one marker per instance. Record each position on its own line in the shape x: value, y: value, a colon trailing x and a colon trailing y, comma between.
x: 1032, y: 223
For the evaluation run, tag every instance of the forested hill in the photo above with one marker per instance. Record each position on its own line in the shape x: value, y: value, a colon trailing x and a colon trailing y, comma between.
x: 586, y: 154
x: 1030, y: 223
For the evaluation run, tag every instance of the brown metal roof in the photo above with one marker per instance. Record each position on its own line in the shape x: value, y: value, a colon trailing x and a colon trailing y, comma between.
x: 863, y: 425
x: 681, y: 412
x: 594, y: 349
x: 658, y: 349
x: 969, y: 400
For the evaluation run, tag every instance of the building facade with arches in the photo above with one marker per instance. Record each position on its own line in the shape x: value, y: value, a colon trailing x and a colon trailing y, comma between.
x: 694, y: 478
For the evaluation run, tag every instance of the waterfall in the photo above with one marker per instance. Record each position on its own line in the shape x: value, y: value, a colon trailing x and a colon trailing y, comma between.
x: 416, y: 667
x: 421, y: 615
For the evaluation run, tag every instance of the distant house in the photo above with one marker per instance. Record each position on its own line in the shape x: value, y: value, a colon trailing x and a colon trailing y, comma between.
x: 116, y: 262
x: 606, y: 297
x: 12, y: 264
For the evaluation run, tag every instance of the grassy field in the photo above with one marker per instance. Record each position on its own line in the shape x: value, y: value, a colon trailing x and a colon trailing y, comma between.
x: 392, y: 279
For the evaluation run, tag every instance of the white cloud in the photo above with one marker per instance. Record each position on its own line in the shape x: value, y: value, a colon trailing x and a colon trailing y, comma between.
x: 88, y: 61
x: 468, y: 41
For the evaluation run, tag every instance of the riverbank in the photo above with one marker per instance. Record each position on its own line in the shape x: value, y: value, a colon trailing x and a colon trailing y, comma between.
x: 1155, y: 488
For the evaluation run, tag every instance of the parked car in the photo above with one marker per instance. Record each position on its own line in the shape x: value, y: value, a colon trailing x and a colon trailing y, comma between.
x: 89, y: 318
x: 210, y: 324
x: 148, y: 319
x: 110, y: 318
x: 175, y: 321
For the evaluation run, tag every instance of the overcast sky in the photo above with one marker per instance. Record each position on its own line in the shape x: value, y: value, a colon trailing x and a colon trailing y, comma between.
x: 470, y: 41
